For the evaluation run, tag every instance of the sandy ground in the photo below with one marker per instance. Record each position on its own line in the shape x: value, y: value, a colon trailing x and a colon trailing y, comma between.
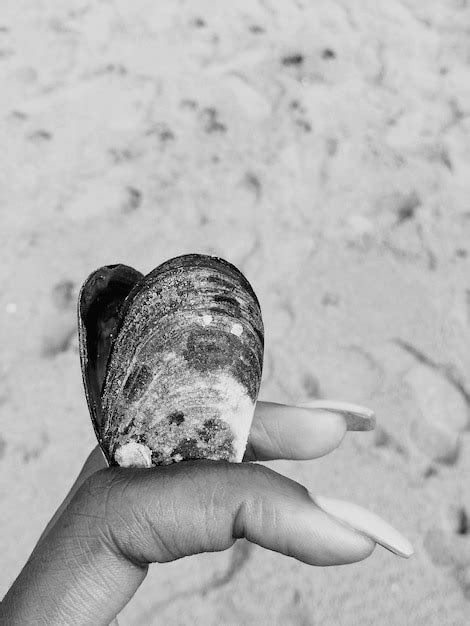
x: 322, y: 147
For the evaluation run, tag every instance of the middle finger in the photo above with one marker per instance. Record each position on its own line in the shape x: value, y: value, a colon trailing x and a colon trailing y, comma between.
x: 279, y: 431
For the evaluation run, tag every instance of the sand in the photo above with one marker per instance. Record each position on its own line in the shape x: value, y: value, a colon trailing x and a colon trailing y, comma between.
x: 321, y: 147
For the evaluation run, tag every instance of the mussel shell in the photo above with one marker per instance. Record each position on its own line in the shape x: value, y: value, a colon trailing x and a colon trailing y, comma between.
x: 101, y: 298
x: 185, y: 365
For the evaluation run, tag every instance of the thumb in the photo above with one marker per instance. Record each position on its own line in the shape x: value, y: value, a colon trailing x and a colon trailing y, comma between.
x: 96, y: 555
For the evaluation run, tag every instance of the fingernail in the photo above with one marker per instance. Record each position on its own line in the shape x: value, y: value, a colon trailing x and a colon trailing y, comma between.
x: 366, y: 522
x: 358, y: 418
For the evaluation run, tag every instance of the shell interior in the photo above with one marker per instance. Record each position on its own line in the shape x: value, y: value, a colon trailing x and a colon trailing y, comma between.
x: 100, y: 300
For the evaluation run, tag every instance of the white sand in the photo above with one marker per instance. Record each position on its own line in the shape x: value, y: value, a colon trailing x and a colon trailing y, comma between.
x: 135, y: 131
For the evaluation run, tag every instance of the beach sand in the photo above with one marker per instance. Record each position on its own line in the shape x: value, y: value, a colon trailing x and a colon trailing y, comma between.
x: 321, y: 147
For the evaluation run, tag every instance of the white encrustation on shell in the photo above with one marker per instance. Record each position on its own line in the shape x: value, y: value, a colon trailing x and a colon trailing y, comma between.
x: 133, y: 454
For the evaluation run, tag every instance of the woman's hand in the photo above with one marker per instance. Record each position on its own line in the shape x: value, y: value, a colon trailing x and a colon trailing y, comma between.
x: 96, y: 550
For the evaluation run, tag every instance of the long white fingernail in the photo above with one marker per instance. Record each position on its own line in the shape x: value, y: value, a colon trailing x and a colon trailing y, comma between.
x: 366, y: 522
x: 358, y: 418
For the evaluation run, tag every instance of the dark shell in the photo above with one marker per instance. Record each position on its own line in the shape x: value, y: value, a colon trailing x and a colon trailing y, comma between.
x: 183, y: 367
x: 101, y: 297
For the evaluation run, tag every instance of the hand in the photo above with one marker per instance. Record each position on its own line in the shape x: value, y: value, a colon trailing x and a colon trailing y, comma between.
x: 96, y: 550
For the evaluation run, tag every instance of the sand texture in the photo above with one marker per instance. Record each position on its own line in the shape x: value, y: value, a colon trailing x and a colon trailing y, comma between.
x: 324, y: 149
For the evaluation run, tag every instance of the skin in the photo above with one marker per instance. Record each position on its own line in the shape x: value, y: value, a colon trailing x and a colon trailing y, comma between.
x: 96, y: 550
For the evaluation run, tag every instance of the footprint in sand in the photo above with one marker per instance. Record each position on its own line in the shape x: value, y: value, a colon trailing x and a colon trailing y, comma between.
x: 60, y: 319
x: 443, y: 413
x: 448, y: 546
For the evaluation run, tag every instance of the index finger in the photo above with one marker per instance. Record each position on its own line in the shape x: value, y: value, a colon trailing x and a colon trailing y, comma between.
x: 278, y: 431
